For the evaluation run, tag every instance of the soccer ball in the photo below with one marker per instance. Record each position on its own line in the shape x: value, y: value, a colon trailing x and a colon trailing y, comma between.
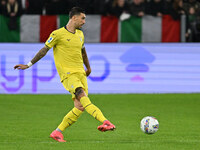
x: 149, y: 125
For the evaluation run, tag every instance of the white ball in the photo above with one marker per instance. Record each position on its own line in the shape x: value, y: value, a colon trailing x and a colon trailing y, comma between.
x: 149, y: 125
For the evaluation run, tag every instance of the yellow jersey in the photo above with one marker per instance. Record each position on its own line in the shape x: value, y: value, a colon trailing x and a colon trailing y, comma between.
x: 67, y: 50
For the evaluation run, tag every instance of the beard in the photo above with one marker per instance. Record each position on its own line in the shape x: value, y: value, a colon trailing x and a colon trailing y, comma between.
x: 79, y: 26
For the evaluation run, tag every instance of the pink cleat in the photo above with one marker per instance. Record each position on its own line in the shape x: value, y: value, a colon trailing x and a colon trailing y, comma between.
x: 56, y: 135
x: 106, y: 126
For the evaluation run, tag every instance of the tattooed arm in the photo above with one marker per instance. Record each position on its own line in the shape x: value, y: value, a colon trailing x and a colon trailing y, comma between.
x: 86, y: 62
x: 37, y: 57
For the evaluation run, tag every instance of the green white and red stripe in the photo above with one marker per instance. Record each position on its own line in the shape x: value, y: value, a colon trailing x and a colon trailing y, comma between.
x: 35, y: 28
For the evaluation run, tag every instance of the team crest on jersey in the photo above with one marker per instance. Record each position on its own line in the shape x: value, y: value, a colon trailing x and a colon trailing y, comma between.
x: 50, y: 39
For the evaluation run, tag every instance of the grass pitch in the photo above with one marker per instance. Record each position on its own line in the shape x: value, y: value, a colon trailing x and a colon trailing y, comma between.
x: 27, y: 120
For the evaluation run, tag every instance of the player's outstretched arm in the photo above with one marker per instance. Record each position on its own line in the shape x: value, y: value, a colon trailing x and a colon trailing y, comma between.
x: 37, y: 57
x: 86, y: 62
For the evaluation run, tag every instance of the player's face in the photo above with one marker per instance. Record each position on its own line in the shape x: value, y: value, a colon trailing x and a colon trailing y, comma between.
x: 79, y: 20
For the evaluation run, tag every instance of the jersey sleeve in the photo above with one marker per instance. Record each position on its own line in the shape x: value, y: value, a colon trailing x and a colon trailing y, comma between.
x: 52, y: 40
x: 83, y: 44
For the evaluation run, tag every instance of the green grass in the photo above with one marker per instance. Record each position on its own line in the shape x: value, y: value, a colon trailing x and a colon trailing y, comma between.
x: 27, y: 120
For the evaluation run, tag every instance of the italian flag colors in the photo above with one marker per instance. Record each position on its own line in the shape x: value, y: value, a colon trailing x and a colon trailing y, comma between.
x: 36, y: 28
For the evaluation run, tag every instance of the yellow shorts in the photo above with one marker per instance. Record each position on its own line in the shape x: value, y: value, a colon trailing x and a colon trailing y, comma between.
x: 74, y: 81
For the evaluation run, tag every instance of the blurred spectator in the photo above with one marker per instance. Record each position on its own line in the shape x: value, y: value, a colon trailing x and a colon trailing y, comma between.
x: 54, y: 7
x: 117, y: 7
x: 177, y: 9
x: 12, y: 10
x: 192, y: 14
x: 137, y: 8
x: 2, y: 6
x: 192, y: 7
x: 34, y: 6
x: 154, y: 8
x: 194, y: 35
x: 192, y: 22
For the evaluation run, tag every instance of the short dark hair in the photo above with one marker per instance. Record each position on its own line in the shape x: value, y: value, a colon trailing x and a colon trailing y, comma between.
x: 75, y: 11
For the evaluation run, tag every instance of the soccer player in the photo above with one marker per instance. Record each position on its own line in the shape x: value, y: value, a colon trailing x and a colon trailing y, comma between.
x: 70, y: 55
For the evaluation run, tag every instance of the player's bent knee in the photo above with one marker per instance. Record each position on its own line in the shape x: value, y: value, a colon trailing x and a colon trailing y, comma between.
x: 80, y: 108
x: 78, y: 105
x: 79, y: 92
